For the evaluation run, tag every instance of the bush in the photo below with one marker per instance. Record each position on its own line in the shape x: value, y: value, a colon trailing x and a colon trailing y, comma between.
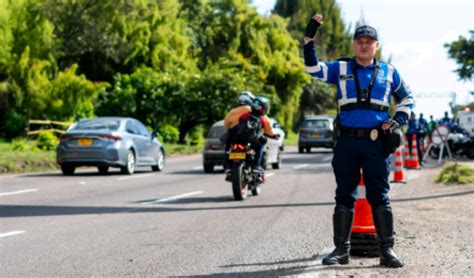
x: 453, y: 173
x: 47, y: 141
x: 15, y: 124
x: 169, y: 134
x: 196, y: 135
x: 20, y: 144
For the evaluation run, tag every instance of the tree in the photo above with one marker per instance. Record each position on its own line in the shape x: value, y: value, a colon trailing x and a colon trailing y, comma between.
x: 462, y: 51
x: 333, y: 41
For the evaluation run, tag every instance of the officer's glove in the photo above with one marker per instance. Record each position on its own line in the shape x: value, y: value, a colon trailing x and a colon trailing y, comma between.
x: 311, y: 28
x: 391, y: 125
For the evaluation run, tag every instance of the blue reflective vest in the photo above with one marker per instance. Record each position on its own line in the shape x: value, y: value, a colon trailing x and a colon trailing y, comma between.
x: 387, y: 83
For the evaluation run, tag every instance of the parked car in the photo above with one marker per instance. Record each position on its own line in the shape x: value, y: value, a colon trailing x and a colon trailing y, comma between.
x: 277, y: 129
x: 214, y: 150
x: 109, y: 142
x: 315, y: 132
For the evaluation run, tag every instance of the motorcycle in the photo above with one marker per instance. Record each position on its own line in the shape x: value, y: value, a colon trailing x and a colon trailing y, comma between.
x: 459, y: 145
x: 243, y: 179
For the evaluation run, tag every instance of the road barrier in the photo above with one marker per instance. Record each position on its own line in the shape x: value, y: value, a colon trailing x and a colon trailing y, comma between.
x: 50, y: 126
x: 399, y: 173
x: 415, y: 162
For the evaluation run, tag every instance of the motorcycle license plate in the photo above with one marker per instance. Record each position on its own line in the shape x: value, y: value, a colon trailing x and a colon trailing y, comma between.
x: 84, y: 142
x: 237, y: 155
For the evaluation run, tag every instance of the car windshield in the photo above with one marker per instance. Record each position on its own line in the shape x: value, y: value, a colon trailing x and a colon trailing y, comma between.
x: 316, y: 123
x: 97, y: 124
x: 216, y: 131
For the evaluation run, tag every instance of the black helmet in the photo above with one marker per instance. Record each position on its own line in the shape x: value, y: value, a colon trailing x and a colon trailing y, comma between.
x: 262, y: 104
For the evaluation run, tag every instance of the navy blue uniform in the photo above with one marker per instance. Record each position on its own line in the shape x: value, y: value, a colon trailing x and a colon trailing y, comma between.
x: 353, y: 153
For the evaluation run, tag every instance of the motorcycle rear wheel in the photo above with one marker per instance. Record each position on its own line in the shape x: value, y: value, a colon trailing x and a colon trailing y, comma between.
x: 239, y: 185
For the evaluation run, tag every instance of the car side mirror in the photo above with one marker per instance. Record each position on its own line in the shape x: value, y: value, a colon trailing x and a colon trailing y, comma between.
x: 154, y: 134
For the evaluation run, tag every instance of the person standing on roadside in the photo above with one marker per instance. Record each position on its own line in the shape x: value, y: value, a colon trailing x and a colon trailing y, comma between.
x: 412, y: 130
x: 366, y: 135
x: 422, y: 130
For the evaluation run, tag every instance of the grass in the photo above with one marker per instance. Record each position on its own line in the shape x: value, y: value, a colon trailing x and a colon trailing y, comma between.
x: 454, y: 173
x: 30, y: 159
x: 291, y: 139
x: 27, y: 160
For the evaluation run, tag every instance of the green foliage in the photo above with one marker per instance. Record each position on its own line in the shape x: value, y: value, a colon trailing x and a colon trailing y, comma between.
x: 20, y: 144
x: 462, y: 51
x: 454, y: 173
x: 47, y: 141
x: 196, y: 135
x: 14, y: 124
x: 168, y: 134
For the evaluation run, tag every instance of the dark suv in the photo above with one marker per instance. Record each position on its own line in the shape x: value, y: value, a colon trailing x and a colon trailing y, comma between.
x: 315, y: 132
x: 214, y: 153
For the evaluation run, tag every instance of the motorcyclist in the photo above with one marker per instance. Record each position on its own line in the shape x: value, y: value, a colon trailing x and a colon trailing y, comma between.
x: 260, y: 107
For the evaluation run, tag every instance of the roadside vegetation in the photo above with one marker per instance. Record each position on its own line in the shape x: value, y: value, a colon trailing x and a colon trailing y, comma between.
x: 22, y: 156
x: 455, y: 173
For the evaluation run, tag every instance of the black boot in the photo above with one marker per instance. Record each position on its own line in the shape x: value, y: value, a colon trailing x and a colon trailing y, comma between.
x: 383, y: 220
x: 342, y: 223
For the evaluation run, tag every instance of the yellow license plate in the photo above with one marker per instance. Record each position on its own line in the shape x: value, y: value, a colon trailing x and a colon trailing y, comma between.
x: 316, y: 135
x: 237, y: 156
x: 84, y: 142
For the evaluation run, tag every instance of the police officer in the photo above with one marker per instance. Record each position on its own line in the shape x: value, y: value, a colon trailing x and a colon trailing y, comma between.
x: 364, y: 89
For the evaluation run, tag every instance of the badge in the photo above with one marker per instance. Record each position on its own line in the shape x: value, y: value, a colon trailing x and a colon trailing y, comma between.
x: 374, y: 134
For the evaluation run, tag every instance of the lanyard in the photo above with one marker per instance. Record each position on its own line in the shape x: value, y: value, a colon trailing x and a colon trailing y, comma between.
x: 363, y: 95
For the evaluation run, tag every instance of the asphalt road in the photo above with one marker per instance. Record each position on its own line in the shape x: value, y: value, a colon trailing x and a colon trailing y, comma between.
x: 180, y: 222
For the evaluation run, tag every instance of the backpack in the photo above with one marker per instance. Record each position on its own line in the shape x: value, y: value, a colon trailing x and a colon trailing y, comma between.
x: 247, y: 130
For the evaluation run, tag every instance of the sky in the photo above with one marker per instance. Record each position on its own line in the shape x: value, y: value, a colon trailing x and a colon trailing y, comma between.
x: 412, y: 33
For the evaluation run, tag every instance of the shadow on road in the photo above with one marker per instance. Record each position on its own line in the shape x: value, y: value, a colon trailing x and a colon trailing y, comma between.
x: 31, y: 210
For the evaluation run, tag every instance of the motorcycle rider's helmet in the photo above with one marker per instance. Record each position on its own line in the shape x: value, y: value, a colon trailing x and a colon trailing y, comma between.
x: 262, y: 105
x: 245, y: 98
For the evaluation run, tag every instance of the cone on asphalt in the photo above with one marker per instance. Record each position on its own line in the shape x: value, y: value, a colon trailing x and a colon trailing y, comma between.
x: 407, y: 160
x: 415, y: 163
x: 363, y: 221
x: 399, y: 174
x: 363, y: 240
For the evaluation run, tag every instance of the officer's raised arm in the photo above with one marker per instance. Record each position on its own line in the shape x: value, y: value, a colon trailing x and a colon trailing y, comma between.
x: 322, y: 71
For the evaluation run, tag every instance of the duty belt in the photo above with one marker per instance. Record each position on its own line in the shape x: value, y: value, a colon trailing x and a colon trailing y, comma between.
x: 371, y: 133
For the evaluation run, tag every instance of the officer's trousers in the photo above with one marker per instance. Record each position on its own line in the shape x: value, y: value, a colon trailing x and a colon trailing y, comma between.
x: 350, y: 156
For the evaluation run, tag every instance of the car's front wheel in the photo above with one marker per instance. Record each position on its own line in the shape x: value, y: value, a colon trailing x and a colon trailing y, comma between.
x: 160, y: 162
x: 129, y: 167
x: 68, y: 170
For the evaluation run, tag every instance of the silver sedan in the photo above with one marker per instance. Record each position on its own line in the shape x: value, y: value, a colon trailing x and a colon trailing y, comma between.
x: 109, y: 142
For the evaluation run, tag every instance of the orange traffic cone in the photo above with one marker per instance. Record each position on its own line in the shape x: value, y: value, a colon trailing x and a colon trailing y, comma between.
x: 415, y: 163
x: 363, y: 240
x: 363, y: 222
x: 407, y: 162
x: 399, y: 174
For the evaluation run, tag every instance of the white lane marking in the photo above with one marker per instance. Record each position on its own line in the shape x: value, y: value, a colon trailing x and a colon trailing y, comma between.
x: 300, y: 166
x: 173, y: 198
x: 269, y: 175
x: 327, y: 158
x: 198, y: 168
x: 12, y: 233
x: 135, y: 177
x: 18, y: 192
x: 82, y: 182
